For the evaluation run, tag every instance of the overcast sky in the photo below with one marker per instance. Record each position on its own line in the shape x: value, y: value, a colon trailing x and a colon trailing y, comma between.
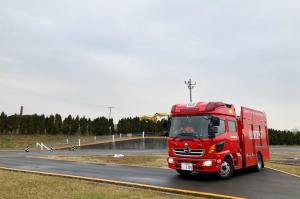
x: 77, y: 57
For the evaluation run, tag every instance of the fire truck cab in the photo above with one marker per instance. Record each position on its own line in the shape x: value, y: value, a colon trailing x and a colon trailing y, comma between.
x: 210, y: 137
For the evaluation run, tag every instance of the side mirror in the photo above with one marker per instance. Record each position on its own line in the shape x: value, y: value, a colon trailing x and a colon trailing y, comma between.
x: 166, y: 133
x: 212, y: 131
x: 215, y: 121
x: 165, y: 125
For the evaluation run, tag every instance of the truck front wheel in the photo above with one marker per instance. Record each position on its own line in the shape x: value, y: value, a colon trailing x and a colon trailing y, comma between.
x: 183, y: 173
x: 226, y: 169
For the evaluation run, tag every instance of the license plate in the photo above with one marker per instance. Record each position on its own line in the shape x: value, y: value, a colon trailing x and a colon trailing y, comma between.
x: 187, y: 166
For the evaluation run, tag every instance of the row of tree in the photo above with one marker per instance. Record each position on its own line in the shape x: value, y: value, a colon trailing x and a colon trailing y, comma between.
x: 55, y: 124
x: 135, y: 125
x: 278, y: 137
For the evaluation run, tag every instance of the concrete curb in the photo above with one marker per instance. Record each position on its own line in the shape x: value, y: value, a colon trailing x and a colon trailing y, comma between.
x: 127, y: 184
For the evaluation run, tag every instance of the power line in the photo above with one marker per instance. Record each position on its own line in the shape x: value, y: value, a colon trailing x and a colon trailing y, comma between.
x: 45, y: 96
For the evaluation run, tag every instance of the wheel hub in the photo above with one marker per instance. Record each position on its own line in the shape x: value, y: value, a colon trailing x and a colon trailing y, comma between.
x: 225, y: 169
x: 259, y: 163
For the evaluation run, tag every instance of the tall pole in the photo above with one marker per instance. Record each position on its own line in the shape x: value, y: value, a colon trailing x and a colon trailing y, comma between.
x: 109, y: 116
x: 190, y: 87
x: 19, y: 121
x: 21, y: 111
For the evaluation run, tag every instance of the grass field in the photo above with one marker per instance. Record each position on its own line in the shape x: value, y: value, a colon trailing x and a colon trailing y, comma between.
x: 15, y: 185
x: 293, y: 169
x: 21, y: 141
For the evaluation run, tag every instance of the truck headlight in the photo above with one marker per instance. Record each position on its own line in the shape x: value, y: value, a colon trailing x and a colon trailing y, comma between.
x: 171, y: 160
x: 207, y: 163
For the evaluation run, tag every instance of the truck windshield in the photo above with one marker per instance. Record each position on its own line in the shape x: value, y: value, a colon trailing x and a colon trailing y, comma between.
x: 190, y: 126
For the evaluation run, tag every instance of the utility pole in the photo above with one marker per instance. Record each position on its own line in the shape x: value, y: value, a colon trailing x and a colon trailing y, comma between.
x: 19, y: 121
x: 190, y: 87
x: 109, y: 115
x: 21, y: 111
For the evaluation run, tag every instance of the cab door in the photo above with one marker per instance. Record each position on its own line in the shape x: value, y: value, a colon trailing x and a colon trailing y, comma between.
x: 233, y: 136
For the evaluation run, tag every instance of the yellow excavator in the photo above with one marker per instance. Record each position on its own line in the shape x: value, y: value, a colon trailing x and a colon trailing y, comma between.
x: 156, y: 117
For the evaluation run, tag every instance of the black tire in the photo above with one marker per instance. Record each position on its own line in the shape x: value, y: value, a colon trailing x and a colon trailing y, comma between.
x: 260, y: 163
x: 226, y: 170
x: 183, y: 173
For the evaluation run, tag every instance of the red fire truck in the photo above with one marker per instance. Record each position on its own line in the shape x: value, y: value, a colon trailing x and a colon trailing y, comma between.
x: 210, y: 137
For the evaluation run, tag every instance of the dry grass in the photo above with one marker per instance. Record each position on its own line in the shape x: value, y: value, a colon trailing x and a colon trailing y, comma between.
x: 21, y: 141
x: 280, y: 146
x: 159, y: 161
x: 16, y: 185
x: 293, y: 169
x: 277, y: 157
x: 279, y: 162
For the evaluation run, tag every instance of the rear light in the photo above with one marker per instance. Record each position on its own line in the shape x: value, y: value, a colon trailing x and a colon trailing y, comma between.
x: 212, y: 149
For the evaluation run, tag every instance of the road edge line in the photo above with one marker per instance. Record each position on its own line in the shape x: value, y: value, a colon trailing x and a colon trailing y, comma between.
x: 283, y: 172
x: 127, y: 184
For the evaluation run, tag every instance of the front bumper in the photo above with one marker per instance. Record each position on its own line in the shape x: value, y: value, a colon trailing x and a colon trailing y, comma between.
x: 198, y: 164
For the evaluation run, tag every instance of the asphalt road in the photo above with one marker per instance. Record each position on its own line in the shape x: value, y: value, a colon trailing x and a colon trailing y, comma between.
x: 265, y: 184
x: 286, y: 155
x: 285, y: 149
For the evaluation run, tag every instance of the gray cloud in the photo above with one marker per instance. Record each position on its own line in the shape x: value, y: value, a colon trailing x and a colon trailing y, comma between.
x: 77, y: 57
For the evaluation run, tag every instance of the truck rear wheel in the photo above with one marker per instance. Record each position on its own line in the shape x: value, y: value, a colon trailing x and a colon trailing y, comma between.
x: 226, y: 169
x: 260, y: 163
x: 183, y: 173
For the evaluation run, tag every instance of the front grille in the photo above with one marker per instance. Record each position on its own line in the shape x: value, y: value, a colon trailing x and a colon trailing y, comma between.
x: 183, y: 152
